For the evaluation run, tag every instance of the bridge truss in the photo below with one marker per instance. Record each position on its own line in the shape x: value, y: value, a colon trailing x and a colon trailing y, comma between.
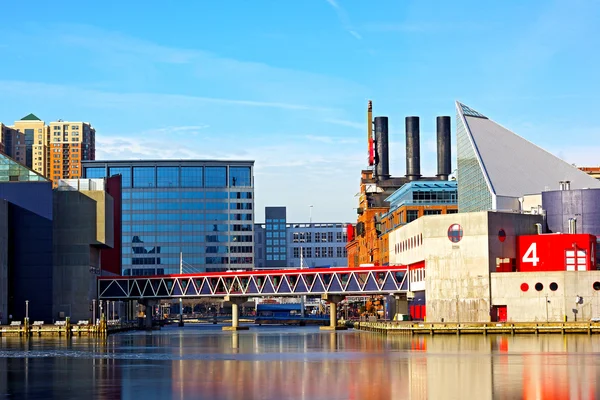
x: 291, y: 282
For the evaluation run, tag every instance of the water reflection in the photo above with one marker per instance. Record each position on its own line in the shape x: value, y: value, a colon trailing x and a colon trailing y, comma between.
x: 300, y: 363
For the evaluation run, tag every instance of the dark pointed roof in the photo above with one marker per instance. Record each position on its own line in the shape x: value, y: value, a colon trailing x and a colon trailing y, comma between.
x: 30, y: 117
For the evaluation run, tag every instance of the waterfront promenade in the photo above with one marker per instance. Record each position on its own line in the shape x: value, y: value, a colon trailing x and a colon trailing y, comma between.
x: 426, y: 328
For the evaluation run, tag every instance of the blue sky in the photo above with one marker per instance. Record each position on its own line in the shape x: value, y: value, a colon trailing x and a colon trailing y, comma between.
x: 286, y: 82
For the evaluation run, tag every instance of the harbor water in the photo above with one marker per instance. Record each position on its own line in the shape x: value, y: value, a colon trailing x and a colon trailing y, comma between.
x: 274, y: 363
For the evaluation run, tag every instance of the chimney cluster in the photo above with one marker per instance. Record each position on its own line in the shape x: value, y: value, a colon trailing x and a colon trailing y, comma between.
x: 413, y: 148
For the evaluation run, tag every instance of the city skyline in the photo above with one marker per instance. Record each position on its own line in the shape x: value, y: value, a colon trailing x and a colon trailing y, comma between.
x: 288, y: 88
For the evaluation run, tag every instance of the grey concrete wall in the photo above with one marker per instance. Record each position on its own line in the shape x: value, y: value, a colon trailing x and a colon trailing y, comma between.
x: 531, y: 304
x: 457, y: 283
x: 80, y: 229
x: 3, y: 262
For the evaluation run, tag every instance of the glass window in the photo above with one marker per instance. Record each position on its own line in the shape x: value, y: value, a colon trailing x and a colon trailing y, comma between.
x: 192, y: 195
x: 143, y: 177
x: 239, y: 176
x: 96, y: 172
x: 167, y: 176
x: 191, y: 177
x: 216, y: 206
x: 192, y: 206
x: 433, y: 212
x: 216, y: 177
x: 125, y: 172
x: 216, y: 195
x: 411, y: 215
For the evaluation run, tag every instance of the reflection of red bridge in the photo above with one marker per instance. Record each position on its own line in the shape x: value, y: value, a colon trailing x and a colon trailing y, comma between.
x: 288, y: 282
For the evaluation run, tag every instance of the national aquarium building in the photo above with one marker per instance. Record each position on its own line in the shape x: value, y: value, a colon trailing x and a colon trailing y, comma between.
x: 201, y: 210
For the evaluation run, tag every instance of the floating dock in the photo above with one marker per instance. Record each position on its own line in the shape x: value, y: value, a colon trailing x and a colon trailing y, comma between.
x: 488, y: 328
x: 64, y: 329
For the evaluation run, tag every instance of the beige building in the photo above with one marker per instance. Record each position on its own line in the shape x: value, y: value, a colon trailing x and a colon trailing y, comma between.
x: 54, y: 150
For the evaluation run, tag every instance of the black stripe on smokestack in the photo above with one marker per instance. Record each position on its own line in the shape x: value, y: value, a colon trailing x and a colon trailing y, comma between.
x: 382, y: 168
x: 444, y: 152
x: 413, y: 149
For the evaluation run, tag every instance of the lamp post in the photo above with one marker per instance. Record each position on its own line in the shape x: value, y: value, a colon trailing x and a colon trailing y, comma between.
x: 27, y: 310
x: 457, y: 311
x: 94, y: 312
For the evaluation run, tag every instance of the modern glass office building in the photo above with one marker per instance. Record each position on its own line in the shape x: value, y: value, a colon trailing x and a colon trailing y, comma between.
x: 203, y: 210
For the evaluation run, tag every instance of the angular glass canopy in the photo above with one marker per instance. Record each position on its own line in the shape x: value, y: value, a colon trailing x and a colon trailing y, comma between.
x: 12, y: 171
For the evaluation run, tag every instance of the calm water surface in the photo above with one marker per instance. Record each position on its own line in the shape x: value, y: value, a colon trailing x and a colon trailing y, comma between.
x: 300, y: 363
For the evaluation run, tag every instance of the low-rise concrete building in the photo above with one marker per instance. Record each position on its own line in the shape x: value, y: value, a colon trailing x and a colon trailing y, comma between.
x: 83, y: 226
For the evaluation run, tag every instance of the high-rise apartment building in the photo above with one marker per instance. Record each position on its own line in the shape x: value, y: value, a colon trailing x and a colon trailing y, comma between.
x: 70, y: 143
x: 54, y: 151
x: 201, y: 210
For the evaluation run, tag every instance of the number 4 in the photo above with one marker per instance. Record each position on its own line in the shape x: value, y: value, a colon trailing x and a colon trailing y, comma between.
x: 531, y: 255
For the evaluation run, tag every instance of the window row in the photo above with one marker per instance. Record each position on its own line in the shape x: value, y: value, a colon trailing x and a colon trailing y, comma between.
x: 275, y: 227
x: 340, y: 252
x: 150, y: 177
x: 320, y: 237
x: 276, y: 257
x: 276, y: 234
x: 417, y: 275
x: 176, y: 194
x: 408, y: 244
x: 172, y: 205
x: 435, y: 196
x: 276, y: 250
x: 276, y: 242
x: 189, y: 238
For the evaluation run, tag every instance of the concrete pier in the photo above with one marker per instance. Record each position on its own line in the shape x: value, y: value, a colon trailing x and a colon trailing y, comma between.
x: 236, y: 302
x: 481, y: 328
x: 333, y: 301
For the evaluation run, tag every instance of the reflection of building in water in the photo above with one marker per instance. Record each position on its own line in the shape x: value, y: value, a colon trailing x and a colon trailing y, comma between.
x: 296, y: 366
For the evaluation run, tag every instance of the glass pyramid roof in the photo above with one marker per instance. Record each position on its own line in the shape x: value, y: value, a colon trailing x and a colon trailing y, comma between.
x: 12, y: 171
x: 470, y: 112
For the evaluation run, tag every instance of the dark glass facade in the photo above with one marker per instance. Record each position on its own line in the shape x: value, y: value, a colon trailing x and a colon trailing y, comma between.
x: 201, y: 209
x: 29, y: 250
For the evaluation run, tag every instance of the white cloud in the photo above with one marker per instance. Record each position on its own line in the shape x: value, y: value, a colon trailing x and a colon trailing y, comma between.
x: 350, y: 124
x: 330, y: 139
x: 344, y: 19
x: 115, y: 99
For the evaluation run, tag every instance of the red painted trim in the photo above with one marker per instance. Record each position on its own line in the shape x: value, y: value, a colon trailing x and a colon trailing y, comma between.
x: 313, y: 271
